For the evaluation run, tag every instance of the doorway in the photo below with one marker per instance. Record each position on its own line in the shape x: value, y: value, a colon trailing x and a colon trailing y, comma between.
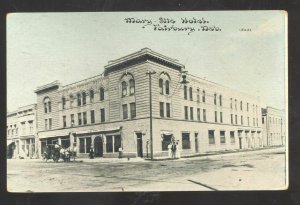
x: 98, y: 146
x: 196, y: 143
x: 139, y: 143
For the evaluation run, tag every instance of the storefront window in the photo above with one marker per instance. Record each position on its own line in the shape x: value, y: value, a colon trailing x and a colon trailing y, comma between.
x: 109, y: 144
x: 166, y: 141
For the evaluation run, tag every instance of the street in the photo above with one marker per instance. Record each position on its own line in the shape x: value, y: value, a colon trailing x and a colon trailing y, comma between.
x: 253, y: 170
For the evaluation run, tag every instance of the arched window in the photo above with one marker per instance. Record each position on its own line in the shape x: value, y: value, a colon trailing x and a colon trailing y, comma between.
x: 131, y: 86
x: 167, y: 87
x: 191, y: 93
x: 78, y: 99
x: 47, y: 105
x: 124, y: 88
x: 101, y: 94
x: 91, y: 96
x: 83, y: 98
x: 161, y: 87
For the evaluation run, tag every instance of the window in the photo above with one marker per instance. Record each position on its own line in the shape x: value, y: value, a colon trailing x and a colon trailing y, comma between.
x: 232, y: 139
x: 46, y: 124
x: 78, y: 99
x: 84, y: 118
x: 161, y: 87
x: 91, y: 96
x: 72, y: 120
x: 124, y: 88
x: 221, y: 117
x: 220, y: 99
x: 92, y: 116
x: 203, y: 96
x: 71, y: 100
x: 242, y: 120
x: 216, y: 116
x: 161, y: 109
x: 204, y: 115
x: 248, y: 121
x: 117, y: 142
x: 81, y: 145
x: 50, y: 123
x: 83, y: 98
x: 186, y: 112
x: 235, y: 101
x: 132, y: 110
x: 191, y: 113
x: 198, y: 114
x: 236, y: 120
x: 79, y: 119
x: 168, y: 106
x: 253, y: 121
x: 85, y: 144
x: 186, y: 143
x: 241, y: 105
x: 167, y: 87
x: 30, y: 127
x: 47, y: 105
x: 257, y: 122
x: 211, y: 136
x: 102, y: 115
x: 165, y: 142
x: 222, y: 137
x: 64, y: 121
x: 101, y: 94
x: 215, y: 98
x: 191, y: 94
x: 63, y: 102
x: 247, y: 107
x: 109, y: 143
x: 198, y: 95
x: 185, y: 92
x: 231, y: 103
x: 125, y: 111
x: 131, y: 86
x: 253, y: 108
x: 263, y: 120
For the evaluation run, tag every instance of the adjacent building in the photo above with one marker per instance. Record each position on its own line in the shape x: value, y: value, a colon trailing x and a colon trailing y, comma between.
x: 274, y: 129
x: 118, y: 109
x: 21, y: 133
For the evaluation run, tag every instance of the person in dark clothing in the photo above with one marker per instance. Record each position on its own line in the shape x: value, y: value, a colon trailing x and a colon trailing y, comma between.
x: 91, y: 153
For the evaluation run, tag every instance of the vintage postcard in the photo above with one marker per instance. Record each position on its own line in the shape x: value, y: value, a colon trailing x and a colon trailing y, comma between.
x: 147, y: 101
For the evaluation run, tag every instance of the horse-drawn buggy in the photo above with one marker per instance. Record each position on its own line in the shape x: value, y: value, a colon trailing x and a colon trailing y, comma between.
x: 57, y: 152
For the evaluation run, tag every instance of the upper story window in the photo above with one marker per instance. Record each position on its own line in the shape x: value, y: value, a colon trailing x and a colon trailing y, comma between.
x: 203, y: 96
x: 91, y: 96
x: 63, y: 102
x: 131, y: 86
x: 241, y: 105
x: 191, y: 93
x: 220, y: 99
x: 78, y: 99
x: 124, y: 88
x: 215, y: 99
x: 47, y: 105
x: 164, y: 84
x: 185, y: 92
x: 71, y: 100
x: 231, y: 103
x: 127, y: 85
x: 198, y: 95
x: 101, y: 94
x: 83, y: 98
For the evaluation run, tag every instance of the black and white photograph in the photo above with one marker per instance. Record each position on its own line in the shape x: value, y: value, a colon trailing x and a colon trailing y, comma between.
x: 147, y: 101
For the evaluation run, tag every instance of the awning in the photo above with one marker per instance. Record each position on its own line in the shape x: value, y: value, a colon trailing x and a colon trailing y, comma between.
x: 166, y: 133
x: 103, y: 131
x: 8, y: 142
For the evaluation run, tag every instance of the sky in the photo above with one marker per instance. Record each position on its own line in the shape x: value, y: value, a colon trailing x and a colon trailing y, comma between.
x: 68, y: 47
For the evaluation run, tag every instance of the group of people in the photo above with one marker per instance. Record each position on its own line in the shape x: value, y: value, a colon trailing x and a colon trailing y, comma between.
x: 173, y: 148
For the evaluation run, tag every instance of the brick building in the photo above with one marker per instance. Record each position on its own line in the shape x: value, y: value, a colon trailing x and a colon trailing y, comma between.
x: 21, y: 133
x: 112, y: 110
x: 274, y: 129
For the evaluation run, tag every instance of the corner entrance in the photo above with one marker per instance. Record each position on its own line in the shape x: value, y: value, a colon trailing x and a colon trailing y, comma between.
x: 139, y: 144
x: 98, y: 146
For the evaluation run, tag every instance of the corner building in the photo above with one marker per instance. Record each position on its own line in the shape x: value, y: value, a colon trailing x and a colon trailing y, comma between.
x: 112, y: 110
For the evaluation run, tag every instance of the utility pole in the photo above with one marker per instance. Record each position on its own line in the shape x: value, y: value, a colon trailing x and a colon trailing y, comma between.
x: 150, y: 73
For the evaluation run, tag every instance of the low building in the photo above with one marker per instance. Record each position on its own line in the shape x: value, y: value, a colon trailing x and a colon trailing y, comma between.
x: 21, y: 133
x: 274, y: 129
x: 114, y: 110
